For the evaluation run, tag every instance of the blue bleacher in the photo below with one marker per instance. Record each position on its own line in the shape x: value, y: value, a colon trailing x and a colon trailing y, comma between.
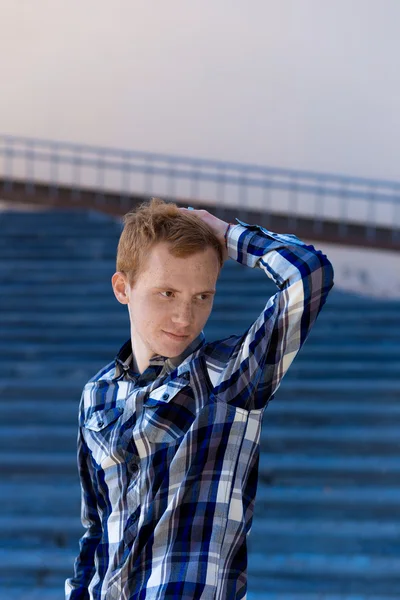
x: 326, y: 522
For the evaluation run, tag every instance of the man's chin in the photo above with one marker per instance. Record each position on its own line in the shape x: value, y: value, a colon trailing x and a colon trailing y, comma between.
x: 172, y: 345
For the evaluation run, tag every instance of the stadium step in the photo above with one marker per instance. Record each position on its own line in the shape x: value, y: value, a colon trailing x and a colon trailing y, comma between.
x: 326, y: 518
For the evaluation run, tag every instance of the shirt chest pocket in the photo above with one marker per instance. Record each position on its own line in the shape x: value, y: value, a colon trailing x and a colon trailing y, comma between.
x: 101, y: 435
x: 103, y: 418
x: 168, y: 413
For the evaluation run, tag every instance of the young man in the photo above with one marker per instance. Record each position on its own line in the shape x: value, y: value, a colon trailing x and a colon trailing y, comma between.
x: 168, y: 442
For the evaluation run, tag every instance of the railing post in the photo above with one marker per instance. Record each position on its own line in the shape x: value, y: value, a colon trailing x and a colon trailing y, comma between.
x: 29, y: 168
x: 318, y: 214
x: 266, y: 199
x: 100, y: 199
x: 126, y: 171
x: 8, y: 164
x: 396, y: 217
x: 243, y: 195
x: 76, y: 175
x: 220, y: 192
x: 171, y: 179
x: 293, y: 197
x: 194, y: 183
x: 371, y: 228
x: 343, y: 225
x: 149, y: 175
x: 53, y: 189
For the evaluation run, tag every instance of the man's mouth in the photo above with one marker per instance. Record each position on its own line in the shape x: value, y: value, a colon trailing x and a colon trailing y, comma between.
x: 176, y: 336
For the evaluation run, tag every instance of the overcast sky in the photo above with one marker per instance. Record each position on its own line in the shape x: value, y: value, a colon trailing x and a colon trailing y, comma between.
x: 299, y: 83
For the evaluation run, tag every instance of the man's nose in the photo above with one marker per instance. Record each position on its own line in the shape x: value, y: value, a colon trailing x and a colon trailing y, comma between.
x: 183, y: 314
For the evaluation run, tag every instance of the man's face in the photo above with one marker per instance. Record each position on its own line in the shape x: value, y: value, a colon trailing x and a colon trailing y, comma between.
x: 171, y: 296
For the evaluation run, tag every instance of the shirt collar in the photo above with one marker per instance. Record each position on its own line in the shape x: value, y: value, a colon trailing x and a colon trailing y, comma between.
x: 159, y: 365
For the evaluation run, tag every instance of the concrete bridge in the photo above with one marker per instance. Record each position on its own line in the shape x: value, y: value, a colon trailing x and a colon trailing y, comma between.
x: 316, y: 206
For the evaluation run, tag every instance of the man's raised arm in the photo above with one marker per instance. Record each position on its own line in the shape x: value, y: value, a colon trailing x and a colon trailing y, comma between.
x: 256, y: 361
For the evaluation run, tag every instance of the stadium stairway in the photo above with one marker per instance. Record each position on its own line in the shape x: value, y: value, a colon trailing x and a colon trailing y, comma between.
x: 326, y: 523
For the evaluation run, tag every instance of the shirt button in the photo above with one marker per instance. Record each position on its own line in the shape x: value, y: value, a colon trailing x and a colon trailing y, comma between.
x: 186, y: 375
x: 165, y: 396
x: 100, y: 423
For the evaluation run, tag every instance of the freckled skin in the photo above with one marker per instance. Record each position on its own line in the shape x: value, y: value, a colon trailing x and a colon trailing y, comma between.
x: 155, y: 311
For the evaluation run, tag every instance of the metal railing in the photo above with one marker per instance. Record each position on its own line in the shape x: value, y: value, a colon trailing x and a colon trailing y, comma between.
x: 319, y: 196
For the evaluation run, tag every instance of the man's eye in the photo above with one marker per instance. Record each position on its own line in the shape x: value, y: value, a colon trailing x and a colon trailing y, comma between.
x: 202, y: 297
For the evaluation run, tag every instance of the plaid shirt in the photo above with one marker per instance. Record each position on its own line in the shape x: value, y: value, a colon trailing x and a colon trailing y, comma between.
x: 168, y: 459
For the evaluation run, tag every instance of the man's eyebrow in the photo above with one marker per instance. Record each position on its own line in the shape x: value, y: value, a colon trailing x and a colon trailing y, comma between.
x: 171, y: 289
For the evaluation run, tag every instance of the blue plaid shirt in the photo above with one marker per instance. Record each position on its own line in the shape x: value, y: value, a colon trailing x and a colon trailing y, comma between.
x: 168, y: 459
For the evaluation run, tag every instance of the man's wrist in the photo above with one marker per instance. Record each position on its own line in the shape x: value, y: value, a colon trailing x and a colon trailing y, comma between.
x: 227, y: 233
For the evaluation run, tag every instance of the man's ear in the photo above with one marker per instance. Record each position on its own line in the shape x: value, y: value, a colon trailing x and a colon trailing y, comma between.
x: 120, y: 287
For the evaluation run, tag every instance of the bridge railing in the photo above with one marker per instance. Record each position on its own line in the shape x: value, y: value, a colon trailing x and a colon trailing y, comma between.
x: 297, y: 193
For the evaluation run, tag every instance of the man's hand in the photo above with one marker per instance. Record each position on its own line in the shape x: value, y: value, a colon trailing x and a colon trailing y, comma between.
x: 217, y: 225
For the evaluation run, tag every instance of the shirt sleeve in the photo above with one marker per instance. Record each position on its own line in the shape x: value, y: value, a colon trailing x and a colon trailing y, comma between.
x: 256, y: 362
x: 76, y: 587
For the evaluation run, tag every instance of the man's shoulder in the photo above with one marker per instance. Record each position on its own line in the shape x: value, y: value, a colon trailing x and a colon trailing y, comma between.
x: 89, y: 397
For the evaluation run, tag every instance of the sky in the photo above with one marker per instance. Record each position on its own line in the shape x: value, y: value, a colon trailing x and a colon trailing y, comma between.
x: 306, y: 84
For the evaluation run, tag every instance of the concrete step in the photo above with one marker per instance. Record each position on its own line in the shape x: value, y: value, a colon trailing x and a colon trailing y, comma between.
x: 101, y: 343
x: 41, y: 532
x: 51, y: 214
x: 302, y: 469
x: 381, y: 344
x: 364, y: 503
x: 265, y: 595
x: 105, y: 301
x: 357, y: 503
x: 303, y: 573
x: 64, y: 251
x: 334, y: 303
x: 324, y: 440
x: 320, y: 536
x: 303, y: 412
x: 59, y: 368
x: 87, y: 263
x: 39, y: 437
x: 298, y: 469
x: 49, y: 499
x: 34, y: 364
x: 53, y: 231
x: 253, y: 282
x: 300, y: 573
x: 40, y: 593
x: 55, y: 277
x: 332, y: 440
x: 268, y: 536
x: 16, y: 592
x: 46, y: 412
x: 295, y: 414
x: 43, y: 463
x: 40, y: 389
x: 46, y: 568
x: 379, y: 393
